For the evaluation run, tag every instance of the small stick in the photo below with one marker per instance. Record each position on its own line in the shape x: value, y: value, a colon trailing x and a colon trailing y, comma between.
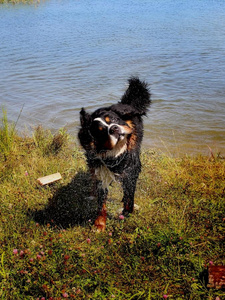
x: 49, y: 179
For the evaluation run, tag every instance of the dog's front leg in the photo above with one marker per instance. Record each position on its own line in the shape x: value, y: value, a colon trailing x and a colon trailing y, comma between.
x: 100, y: 222
x: 129, y: 186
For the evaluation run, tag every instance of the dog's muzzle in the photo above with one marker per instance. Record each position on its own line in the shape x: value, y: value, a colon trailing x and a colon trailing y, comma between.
x: 116, y: 131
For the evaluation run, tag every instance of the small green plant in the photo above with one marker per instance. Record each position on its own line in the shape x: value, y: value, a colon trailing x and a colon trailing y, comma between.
x: 2, y: 269
x: 7, y: 135
x: 59, y: 141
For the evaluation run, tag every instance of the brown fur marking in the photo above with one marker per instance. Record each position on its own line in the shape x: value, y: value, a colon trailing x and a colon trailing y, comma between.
x: 100, y: 222
x: 132, y: 141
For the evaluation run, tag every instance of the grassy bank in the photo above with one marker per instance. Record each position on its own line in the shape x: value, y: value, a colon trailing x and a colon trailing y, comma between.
x: 48, y: 249
x: 19, y: 1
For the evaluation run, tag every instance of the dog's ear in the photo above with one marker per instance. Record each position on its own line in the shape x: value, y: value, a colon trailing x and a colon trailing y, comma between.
x: 85, y: 118
x: 84, y: 135
x: 137, y: 95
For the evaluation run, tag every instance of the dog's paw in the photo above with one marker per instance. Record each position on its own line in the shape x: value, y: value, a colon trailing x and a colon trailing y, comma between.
x: 136, y: 207
x: 100, y: 224
x: 120, y: 211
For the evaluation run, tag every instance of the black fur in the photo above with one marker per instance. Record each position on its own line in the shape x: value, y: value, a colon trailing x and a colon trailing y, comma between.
x: 111, y: 137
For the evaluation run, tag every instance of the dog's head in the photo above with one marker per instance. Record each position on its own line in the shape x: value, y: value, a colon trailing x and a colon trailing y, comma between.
x: 104, y: 130
x: 117, y: 128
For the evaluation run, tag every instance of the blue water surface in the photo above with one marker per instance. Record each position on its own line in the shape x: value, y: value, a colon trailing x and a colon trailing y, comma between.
x: 58, y: 56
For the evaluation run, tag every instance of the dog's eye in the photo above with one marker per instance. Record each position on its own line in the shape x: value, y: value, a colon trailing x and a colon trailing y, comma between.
x: 111, y: 119
x: 107, y: 119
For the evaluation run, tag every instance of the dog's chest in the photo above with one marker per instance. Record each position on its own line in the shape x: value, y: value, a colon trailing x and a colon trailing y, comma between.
x: 105, y: 175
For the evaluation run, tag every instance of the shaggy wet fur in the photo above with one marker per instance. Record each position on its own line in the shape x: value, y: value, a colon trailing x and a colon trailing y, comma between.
x: 111, y: 137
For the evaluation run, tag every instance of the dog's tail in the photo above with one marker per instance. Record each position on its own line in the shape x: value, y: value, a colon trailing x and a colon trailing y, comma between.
x: 137, y: 95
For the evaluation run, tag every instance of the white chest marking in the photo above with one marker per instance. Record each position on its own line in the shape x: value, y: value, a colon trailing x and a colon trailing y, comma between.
x: 105, y: 175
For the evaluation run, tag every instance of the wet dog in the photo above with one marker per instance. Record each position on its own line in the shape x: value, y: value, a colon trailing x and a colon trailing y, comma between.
x: 111, y: 137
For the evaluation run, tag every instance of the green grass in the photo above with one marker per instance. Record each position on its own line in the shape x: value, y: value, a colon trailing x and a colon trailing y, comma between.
x: 19, y: 1
x: 48, y: 249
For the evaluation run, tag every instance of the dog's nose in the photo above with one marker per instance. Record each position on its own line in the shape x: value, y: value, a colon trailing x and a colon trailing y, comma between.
x: 115, y: 130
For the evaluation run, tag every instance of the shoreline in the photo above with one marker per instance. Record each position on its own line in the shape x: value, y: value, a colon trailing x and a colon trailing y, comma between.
x: 166, y: 147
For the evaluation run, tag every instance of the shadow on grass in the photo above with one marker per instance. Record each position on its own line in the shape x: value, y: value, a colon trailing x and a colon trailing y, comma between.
x: 70, y: 205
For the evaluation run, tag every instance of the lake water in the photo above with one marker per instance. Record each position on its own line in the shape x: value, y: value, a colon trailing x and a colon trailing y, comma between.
x: 59, y: 56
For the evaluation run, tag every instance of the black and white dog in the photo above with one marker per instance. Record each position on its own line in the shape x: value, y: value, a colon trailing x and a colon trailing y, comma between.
x: 111, y: 137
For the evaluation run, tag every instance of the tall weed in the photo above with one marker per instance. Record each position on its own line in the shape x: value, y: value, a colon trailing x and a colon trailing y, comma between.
x: 7, y: 135
x: 49, y: 143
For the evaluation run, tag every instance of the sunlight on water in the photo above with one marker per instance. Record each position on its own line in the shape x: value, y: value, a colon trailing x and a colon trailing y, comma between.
x: 61, y: 55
